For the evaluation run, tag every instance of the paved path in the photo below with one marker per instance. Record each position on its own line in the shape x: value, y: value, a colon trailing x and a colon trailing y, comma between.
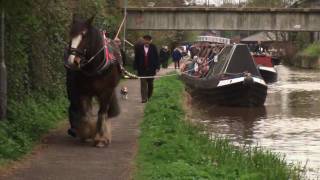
x: 61, y: 157
x: 66, y: 158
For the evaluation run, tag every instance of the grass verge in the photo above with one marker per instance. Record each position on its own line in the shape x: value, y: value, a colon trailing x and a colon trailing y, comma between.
x: 172, y: 148
x: 27, y: 122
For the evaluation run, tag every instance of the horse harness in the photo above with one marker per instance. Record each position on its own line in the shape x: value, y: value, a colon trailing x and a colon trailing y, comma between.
x: 107, y: 50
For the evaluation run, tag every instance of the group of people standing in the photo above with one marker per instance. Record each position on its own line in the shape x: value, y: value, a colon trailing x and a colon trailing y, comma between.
x: 165, y: 55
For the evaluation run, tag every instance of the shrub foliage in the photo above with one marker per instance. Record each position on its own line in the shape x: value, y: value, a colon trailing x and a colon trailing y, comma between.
x: 36, y: 35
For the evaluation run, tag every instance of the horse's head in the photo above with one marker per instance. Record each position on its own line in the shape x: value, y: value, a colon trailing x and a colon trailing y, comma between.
x: 79, y: 42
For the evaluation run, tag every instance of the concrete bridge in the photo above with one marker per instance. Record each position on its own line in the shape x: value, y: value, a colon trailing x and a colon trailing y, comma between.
x: 205, y: 18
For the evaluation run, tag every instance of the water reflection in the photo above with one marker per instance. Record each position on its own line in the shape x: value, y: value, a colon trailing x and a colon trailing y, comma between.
x: 236, y: 122
x: 289, y: 122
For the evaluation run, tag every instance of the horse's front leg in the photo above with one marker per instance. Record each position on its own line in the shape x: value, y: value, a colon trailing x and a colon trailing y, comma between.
x: 85, y: 128
x: 103, y: 134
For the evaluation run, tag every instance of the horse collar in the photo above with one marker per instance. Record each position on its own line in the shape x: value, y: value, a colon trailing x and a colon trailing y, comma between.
x: 108, y: 56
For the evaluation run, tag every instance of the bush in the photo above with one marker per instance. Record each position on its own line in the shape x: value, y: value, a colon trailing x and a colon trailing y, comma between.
x: 312, y: 50
x: 36, y: 35
x: 27, y: 122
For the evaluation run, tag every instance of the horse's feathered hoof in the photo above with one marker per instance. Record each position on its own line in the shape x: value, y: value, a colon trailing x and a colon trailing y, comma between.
x: 101, y: 144
x: 100, y: 141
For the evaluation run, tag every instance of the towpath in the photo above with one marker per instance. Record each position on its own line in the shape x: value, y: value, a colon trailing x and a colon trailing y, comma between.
x: 60, y: 157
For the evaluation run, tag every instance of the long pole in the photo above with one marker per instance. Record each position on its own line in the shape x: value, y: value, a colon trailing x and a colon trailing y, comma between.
x: 3, y: 72
x: 120, y: 27
x: 124, y: 25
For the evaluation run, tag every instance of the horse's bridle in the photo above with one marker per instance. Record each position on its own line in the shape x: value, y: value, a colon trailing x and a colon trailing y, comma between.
x: 82, y: 54
x: 76, y: 52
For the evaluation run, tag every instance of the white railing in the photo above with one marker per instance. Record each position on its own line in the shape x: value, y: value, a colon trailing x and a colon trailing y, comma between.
x: 216, y: 3
x: 213, y: 39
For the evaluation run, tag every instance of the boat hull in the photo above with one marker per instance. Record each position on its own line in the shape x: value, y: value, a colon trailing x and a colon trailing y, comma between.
x: 265, y: 65
x: 239, y: 93
x: 269, y: 74
x: 275, y: 60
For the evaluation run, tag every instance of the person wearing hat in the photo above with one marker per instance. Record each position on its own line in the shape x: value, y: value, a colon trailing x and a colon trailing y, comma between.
x: 164, y: 56
x: 146, y: 62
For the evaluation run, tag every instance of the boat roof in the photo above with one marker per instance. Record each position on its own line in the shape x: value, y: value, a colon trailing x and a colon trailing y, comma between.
x: 235, y: 59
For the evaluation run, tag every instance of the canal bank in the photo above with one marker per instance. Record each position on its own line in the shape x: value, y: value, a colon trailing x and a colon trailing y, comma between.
x: 172, y: 148
x: 308, y: 58
x: 287, y: 123
x: 306, y: 62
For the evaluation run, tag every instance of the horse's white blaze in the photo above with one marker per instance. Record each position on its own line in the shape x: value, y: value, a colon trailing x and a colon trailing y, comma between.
x: 76, y: 41
x: 74, y: 44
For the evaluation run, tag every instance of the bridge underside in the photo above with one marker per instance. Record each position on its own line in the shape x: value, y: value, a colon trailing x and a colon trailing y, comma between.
x: 247, y: 19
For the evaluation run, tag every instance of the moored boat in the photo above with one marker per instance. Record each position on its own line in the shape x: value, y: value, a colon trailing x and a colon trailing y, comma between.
x: 269, y: 74
x: 275, y: 60
x: 266, y: 67
x: 233, y: 80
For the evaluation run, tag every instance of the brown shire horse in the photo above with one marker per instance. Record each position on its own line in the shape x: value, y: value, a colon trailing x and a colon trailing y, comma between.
x: 90, y: 76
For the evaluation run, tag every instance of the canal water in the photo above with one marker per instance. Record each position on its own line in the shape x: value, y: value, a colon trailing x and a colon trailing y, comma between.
x: 289, y: 123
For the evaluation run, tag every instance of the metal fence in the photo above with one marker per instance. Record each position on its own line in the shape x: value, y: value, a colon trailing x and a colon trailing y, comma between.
x: 217, y: 3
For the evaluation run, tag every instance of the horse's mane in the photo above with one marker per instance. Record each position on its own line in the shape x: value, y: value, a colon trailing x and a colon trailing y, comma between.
x: 95, y: 42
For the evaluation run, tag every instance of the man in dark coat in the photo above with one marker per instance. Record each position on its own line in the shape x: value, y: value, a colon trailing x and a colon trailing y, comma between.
x: 146, y: 62
x: 73, y: 96
x: 164, y: 56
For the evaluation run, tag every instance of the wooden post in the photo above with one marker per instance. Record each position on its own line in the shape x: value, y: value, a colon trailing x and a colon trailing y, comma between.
x: 3, y: 72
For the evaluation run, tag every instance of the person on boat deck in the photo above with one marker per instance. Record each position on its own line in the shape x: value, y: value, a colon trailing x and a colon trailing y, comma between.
x: 259, y: 49
x: 164, y: 56
x: 187, y: 66
x: 176, y: 57
x: 212, y: 54
x: 194, y: 50
x: 203, y: 67
x: 146, y: 62
x: 204, y: 50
